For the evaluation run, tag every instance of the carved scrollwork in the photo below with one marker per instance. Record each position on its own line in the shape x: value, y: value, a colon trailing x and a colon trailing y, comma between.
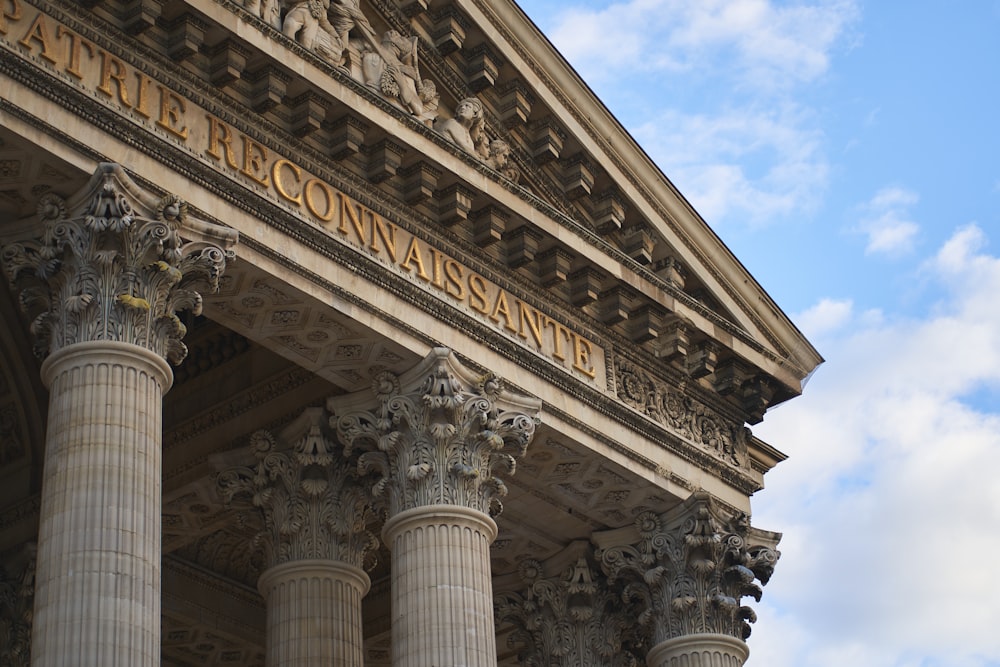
x: 309, y: 498
x: 116, y: 264
x: 570, y: 620
x: 690, y: 570
x: 682, y: 415
x: 443, y: 441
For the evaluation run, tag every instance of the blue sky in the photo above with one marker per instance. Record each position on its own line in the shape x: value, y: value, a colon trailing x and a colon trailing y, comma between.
x: 847, y: 153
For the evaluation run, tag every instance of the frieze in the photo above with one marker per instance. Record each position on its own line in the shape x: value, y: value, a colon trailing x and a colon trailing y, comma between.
x: 681, y: 414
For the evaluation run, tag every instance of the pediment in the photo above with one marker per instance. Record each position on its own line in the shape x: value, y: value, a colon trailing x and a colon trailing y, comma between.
x: 543, y: 186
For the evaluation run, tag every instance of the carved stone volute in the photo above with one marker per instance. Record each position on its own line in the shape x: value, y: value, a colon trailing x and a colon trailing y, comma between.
x: 116, y: 263
x: 439, y: 435
x: 306, y: 494
x: 689, y: 569
x: 570, y: 619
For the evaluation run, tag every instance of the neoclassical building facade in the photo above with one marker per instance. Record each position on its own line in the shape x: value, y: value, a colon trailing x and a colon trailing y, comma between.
x: 359, y: 332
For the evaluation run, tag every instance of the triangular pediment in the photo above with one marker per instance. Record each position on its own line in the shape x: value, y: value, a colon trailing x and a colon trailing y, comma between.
x: 575, y: 207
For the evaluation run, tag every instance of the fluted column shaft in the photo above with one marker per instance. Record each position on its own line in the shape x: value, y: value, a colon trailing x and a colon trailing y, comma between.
x: 442, y: 593
x: 97, y: 601
x: 314, y: 614
x: 699, y: 650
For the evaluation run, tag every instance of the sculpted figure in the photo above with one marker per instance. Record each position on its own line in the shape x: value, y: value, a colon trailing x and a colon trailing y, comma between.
x: 308, y: 23
x: 499, y: 159
x: 430, y: 98
x: 345, y: 16
x: 465, y: 130
x: 269, y: 10
x: 391, y: 68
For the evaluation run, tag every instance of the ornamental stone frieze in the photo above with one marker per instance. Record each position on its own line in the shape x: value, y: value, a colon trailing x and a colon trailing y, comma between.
x: 691, y: 420
x: 309, y: 497
x: 689, y: 569
x: 569, y: 619
x: 439, y: 435
x: 115, y: 263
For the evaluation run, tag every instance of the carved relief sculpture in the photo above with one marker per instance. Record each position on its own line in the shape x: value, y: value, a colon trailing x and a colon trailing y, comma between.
x: 17, y: 594
x: 269, y: 10
x: 465, y: 130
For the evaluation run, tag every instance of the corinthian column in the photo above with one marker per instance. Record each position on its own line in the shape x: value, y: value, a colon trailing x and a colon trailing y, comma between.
x: 688, y: 571
x: 436, y: 438
x: 314, y: 515
x: 113, y: 267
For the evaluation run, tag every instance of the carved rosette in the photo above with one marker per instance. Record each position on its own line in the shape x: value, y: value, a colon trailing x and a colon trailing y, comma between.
x: 17, y: 595
x: 571, y: 620
x: 311, y: 501
x: 116, y: 263
x: 690, y: 569
x: 440, y: 436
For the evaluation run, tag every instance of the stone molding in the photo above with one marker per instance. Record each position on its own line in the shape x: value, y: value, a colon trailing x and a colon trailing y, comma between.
x: 570, y: 619
x: 116, y: 263
x: 702, y: 650
x: 438, y: 435
x: 689, y: 568
x: 311, y: 500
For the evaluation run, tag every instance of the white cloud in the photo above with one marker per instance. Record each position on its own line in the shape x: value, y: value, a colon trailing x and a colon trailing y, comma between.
x: 889, y: 502
x: 768, y: 44
x: 885, y: 221
x: 826, y: 316
x: 751, y: 154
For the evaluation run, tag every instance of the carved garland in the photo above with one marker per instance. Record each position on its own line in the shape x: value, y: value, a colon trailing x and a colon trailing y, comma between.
x: 681, y: 414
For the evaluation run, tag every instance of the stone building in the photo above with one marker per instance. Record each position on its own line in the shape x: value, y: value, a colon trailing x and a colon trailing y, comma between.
x: 359, y: 332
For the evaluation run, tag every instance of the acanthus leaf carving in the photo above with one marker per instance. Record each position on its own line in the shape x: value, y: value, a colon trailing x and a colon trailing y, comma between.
x: 690, y: 568
x: 116, y: 263
x: 444, y: 438
x: 307, y: 496
x: 573, y: 619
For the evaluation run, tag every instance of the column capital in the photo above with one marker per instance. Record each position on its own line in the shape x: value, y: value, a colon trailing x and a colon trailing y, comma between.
x: 438, y: 435
x: 690, y: 567
x: 115, y: 263
x: 567, y: 615
x: 310, y: 498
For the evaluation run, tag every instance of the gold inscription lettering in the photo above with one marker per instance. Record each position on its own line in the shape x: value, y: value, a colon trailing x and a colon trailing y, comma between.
x: 415, y: 254
x: 385, y: 232
x: 13, y: 14
x: 219, y: 134
x: 171, y: 109
x: 533, y: 318
x: 477, y: 294
x: 582, y: 353
x: 453, y: 279
x: 76, y: 46
x: 559, y: 333
x: 39, y: 32
x: 355, y: 216
x: 113, y: 69
x: 279, y: 185
x: 330, y: 208
x: 501, y: 310
x: 254, y: 161
x: 142, y: 95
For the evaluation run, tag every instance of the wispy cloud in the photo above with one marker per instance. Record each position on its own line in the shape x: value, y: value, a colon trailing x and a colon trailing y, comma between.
x: 747, y: 151
x: 889, y: 500
x: 885, y: 221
